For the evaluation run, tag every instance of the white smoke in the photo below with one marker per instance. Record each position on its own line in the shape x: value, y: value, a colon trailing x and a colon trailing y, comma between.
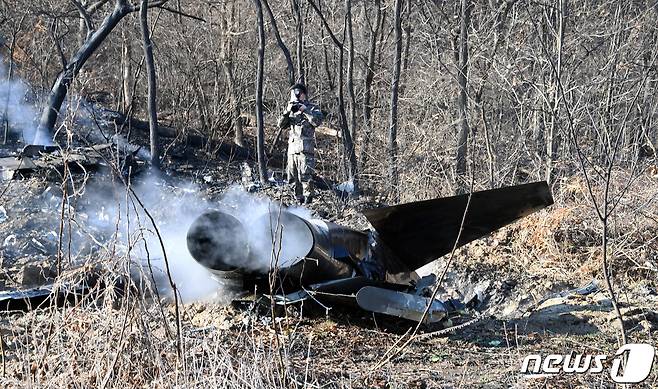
x: 271, y: 243
x: 116, y: 219
x: 174, y: 209
x: 16, y: 110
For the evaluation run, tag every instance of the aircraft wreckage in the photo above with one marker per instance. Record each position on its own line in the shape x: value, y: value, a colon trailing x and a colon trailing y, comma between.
x: 374, y: 269
x: 328, y: 263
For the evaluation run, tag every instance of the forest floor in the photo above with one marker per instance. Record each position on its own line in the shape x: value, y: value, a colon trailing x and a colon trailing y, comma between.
x: 526, y: 273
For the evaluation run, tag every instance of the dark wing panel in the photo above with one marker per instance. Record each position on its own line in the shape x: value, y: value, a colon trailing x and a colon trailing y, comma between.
x: 423, y: 231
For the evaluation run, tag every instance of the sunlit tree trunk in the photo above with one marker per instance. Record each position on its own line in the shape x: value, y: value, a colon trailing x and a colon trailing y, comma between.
x: 462, y: 100
x: 260, y: 137
x: 367, y: 87
x: 393, y: 118
x: 152, y: 88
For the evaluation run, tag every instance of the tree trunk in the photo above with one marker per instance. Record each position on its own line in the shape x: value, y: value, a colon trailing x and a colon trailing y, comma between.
x: 491, y: 159
x: 279, y: 42
x: 367, y: 87
x: 350, y: 68
x: 299, y: 34
x: 407, y: 46
x: 348, y: 143
x: 393, y: 118
x: 126, y: 81
x: 66, y: 76
x: 83, y: 27
x: 462, y: 101
x: 238, y: 130
x: 260, y: 137
x: 150, y: 72
x: 327, y: 66
x: 552, y: 139
x: 10, y: 74
x: 227, y: 54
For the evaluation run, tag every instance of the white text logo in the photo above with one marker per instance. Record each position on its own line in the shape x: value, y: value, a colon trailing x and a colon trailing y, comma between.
x: 638, y: 356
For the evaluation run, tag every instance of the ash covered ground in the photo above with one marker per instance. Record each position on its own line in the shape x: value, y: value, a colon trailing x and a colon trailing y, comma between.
x: 538, y: 283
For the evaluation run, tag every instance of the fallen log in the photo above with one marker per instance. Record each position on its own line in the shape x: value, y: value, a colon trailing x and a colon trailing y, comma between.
x: 227, y: 149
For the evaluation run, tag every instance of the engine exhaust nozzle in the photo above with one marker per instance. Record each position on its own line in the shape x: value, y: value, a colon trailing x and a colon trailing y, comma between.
x: 218, y: 241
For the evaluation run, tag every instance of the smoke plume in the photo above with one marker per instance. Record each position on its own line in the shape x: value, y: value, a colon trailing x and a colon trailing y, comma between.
x: 174, y: 207
x: 272, y: 240
x: 16, y: 110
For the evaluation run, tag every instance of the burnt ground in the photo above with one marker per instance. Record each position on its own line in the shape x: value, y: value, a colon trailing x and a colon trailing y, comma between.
x: 522, y: 276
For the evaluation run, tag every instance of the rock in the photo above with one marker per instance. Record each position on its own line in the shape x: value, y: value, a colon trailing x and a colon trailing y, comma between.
x: 511, y: 309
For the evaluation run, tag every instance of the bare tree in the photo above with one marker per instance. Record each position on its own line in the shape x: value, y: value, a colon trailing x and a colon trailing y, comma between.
x: 497, y: 27
x: 350, y: 67
x: 598, y: 171
x: 260, y: 137
x: 348, y: 143
x: 70, y: 71
x: 228, y: 55
x: 370, y: 67
x: 299, y: 40
x: 10, y: 73
x: 552, y: 138
x: 407, y: 42
x: 288, y: 58
x: 126, y: 73
x: 281, y: 44
x: 462, y: 100
x: 152, y: 88
x: 393, y: 118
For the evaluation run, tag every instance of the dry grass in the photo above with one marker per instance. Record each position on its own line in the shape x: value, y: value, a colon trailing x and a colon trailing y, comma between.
x: 107, y: 346
x: 563, y: 242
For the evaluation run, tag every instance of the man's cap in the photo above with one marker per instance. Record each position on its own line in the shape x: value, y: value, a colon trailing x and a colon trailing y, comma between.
x: 300, y: 86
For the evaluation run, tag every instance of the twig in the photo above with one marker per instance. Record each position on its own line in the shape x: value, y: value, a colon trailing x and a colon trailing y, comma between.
x: 179, y: 340
x: 308, y: 357
x: 181, y: 13
x: 2, y: 354
x: 121, y: 344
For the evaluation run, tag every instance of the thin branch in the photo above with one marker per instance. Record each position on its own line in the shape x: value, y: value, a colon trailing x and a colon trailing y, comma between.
x: 96, y: 6
x: 85, y: 15
x: 58, y: 45
x: 282, y: 45
x: 326, y: 25
x: 181, y: 13
x: 159, y: 4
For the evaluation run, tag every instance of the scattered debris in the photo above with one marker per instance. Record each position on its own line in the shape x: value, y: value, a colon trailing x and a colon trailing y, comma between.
x: 50, y: 157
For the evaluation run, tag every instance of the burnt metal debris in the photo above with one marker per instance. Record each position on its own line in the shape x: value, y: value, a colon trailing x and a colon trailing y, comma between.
x: 37, y: 157
x: 374, y: 270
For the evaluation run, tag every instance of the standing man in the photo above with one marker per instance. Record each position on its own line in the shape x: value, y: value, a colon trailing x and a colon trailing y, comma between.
x: 302, y: 117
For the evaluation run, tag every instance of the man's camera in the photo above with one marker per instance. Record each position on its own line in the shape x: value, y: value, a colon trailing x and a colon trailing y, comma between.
x: 295, y: 106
